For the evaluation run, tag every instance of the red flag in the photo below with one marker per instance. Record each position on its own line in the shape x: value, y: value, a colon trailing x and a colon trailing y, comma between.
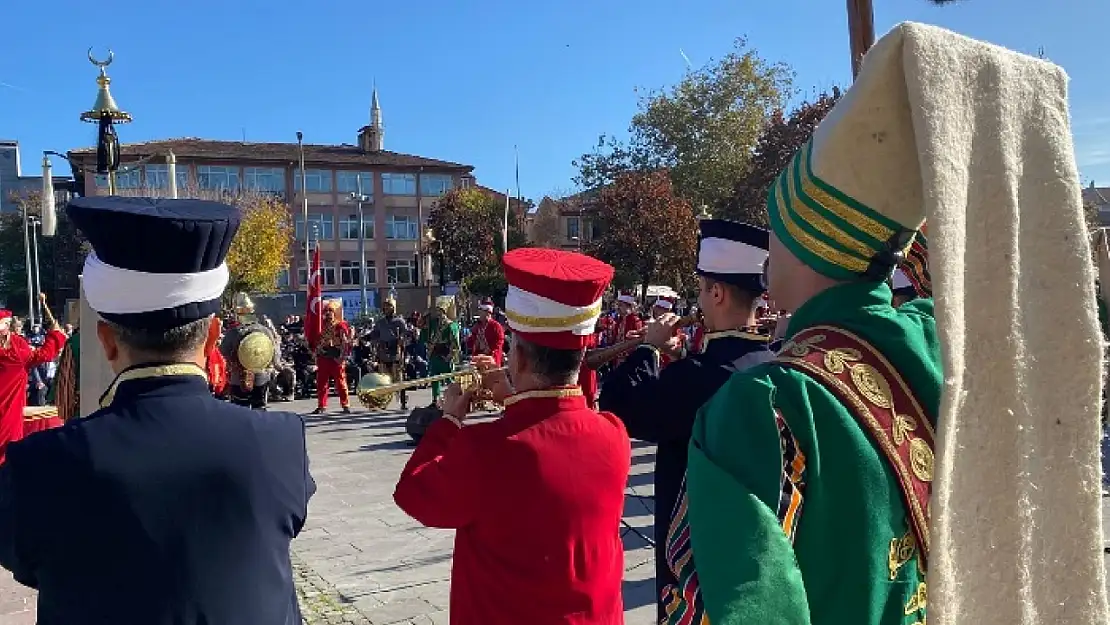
x: 313, y: 316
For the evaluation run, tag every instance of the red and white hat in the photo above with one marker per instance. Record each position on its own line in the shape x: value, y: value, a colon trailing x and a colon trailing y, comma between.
x: 554, y: 297
x: 486, y: 306
x: 5, y: 318
x: 664, y: 303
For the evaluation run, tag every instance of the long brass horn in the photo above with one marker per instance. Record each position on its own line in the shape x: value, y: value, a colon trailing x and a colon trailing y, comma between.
x: 376, y: 390
x: 598, y: 357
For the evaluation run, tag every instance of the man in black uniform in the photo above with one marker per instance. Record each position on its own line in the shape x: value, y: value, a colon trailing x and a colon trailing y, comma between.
x: 166, y: 505
x: 390, y: 334
x: 657, y: 404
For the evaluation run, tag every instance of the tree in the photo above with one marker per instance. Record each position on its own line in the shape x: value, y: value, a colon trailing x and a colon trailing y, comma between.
x: 260, y: 250
x: 645, y: 228
x: 702, y: 130
x: 780, y: 140
x: 60, y: 257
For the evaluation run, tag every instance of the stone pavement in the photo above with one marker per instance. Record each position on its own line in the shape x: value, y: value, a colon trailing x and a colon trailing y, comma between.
x: 361, y: 561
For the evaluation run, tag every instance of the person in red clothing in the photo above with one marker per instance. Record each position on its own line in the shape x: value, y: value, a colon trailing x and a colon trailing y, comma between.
x: 627, y: 321
x: 331, y: 357
x: 661, y: 307
x: 216, y: 367
x: 536, y: 496
x: 587, y: 377
x: 16, y: 359
x: 487, y: 337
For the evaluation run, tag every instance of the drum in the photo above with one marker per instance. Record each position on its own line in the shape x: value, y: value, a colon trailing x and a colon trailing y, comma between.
x: 419, y: 420
x: 39, y: 418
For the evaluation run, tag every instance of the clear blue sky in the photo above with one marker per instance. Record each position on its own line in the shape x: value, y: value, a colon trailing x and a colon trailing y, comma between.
x: 463, y: 81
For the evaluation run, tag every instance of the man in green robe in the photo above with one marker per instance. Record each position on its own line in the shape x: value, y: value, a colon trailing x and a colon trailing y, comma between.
x: 441, y: 336
x: 809, y: 490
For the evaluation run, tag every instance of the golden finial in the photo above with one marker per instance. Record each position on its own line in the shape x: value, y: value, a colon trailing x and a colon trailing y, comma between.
x: 105, y: 105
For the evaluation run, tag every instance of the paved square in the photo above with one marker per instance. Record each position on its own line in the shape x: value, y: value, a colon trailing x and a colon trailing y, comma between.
x: 361, y: 561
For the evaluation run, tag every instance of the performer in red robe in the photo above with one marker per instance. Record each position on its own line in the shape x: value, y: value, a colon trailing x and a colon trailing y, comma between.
x: 331, y: 357
x: 535, y: 497
x: 16, y: 359
x: 487, y: 337
x: 587, y: 377
x: 216, y: 368
x: 627, y: 321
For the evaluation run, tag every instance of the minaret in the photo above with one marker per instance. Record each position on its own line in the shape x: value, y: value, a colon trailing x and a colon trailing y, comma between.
x: 372, y: 138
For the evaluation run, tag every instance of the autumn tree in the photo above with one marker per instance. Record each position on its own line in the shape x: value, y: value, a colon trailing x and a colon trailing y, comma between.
x: 60, y: 257
x: 467, y: 226
x: 780, y: 140
x: 645, y: 228
x: 702, y: 130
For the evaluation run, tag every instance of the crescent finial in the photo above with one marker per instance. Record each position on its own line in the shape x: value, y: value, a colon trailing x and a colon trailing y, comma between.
x: 102, y: 64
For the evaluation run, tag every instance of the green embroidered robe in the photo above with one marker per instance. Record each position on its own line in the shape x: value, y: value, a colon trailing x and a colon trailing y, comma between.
x: 798, y: 520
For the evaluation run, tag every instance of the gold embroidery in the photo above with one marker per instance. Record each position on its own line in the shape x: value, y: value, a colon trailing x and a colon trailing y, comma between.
x: 801, y: 349
x: 533, y: 321
x: 547, y: 393
x: 811, y: 216
x: 142, y: 373
x: 861, y: 222
x: 917, y: 601
x: 921, y: 460
x: 872, y: 385
x: 811, y: 243
x: 837, y: 359
x: 901, y: 551
x: 901, y: 428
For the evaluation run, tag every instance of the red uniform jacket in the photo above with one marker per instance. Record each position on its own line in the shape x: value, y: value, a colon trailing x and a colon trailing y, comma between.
x: 487, y: 337
x: 537, y: 498
x: 15, y: 362
x: 216, y: 368
x: 587, y: 377
x: 621, y: 328
x: 698, y: 342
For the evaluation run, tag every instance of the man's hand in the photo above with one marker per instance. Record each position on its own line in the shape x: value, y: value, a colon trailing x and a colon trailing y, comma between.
x: 494, y: 379
x: 660, y: 331
x: 457, y: 403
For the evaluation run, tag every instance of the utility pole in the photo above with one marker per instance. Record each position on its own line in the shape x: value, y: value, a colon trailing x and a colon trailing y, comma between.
x: 358, y: 197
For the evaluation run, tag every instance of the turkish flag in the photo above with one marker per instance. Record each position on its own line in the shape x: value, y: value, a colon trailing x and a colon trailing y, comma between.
x: 313, y: 316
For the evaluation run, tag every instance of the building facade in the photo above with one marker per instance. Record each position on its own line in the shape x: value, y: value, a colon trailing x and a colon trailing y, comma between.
x: 12, y: 181
x: 397, y: 189
x: 566, y: 223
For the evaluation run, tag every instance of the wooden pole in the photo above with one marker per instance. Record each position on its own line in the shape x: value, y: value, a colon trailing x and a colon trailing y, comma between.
x: 861, y: 31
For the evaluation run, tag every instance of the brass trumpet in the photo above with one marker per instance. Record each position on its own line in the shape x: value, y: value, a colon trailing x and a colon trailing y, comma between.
x: 599, y: 357
x: 376, y: 390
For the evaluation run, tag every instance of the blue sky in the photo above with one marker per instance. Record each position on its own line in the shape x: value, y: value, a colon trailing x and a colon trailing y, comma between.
x: 464, y: 81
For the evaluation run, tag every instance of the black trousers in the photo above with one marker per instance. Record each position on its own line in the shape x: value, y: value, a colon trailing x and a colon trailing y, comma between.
x: 255, y: 398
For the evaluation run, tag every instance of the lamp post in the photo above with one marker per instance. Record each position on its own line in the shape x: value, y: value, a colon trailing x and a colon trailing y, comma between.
x: 33, y: 221
x: 427, y: 244
x: 27, y: 260
x: 359, y: 198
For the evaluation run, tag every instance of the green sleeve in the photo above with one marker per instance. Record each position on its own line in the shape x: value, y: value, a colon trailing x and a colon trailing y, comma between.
x: 424, y: 332
x: 745, y: 561
x: 455, y: 342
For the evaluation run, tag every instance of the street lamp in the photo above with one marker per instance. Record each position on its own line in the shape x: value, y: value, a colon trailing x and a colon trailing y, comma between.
x: 359, y: 198
x: 33, y: 221
x: 427, y: 246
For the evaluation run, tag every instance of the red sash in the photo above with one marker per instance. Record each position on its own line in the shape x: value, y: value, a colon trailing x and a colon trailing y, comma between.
x: 882, y: 403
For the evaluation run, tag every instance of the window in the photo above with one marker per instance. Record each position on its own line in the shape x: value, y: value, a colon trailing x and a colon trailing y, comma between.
x: 348, y: 227
x: 348, y: 181
x: 401, y: 228
x: 349, y: 273
x: 399, y: 184
x: 283, y: 278
x: 436, y: 184
x: 572, y: 228
x: 125, y: 179
x: 318, y: 180
x: 327, y: 273
x: 319, y: 226
x: 218, y: 177
x: 158, y: 176
x: 399, y: 272
x: 271, y: 179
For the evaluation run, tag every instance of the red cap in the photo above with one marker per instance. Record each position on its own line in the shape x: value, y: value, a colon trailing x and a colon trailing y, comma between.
x: 554, y: 297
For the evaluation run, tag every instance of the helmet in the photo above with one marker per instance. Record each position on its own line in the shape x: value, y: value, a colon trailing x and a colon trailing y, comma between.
x: 243, y: 304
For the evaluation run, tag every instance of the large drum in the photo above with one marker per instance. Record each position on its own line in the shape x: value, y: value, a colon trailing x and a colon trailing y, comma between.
x: 39, y: 418
x: 419, y: 420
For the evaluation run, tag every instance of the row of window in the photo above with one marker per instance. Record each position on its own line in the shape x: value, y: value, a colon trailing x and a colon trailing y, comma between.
x: 347, y: 273
x: 397, y: 227
x: 272, y: 179
x: 575, y: 227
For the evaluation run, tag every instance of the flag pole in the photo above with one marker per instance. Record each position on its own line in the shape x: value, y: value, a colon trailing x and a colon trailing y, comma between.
x: 304, y: 212
x: 505, y: 225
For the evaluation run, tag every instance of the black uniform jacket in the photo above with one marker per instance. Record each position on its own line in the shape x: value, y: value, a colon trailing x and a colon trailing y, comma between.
x: 659, y: 404
x: 164, y: 507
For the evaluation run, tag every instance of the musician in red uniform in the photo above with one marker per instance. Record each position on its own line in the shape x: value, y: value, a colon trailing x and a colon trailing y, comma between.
x: 16, y: 359
x: 661, y: 307
x: 627, y: 321
x: 487, y: 337
x: 331, y: 357
x: 535, y: 497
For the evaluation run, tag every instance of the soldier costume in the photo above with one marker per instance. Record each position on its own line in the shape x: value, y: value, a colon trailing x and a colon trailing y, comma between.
x: 441, y: 336
x: 166, y: 505
x: 390, y: 335
x: 248, y: 388
x: 331, y: 352
x: 658, y: 404
x: 487, y: 337
x: 810, y: 486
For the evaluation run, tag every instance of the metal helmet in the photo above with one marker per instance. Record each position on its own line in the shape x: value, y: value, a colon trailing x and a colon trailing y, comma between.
x: 243, y: 304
